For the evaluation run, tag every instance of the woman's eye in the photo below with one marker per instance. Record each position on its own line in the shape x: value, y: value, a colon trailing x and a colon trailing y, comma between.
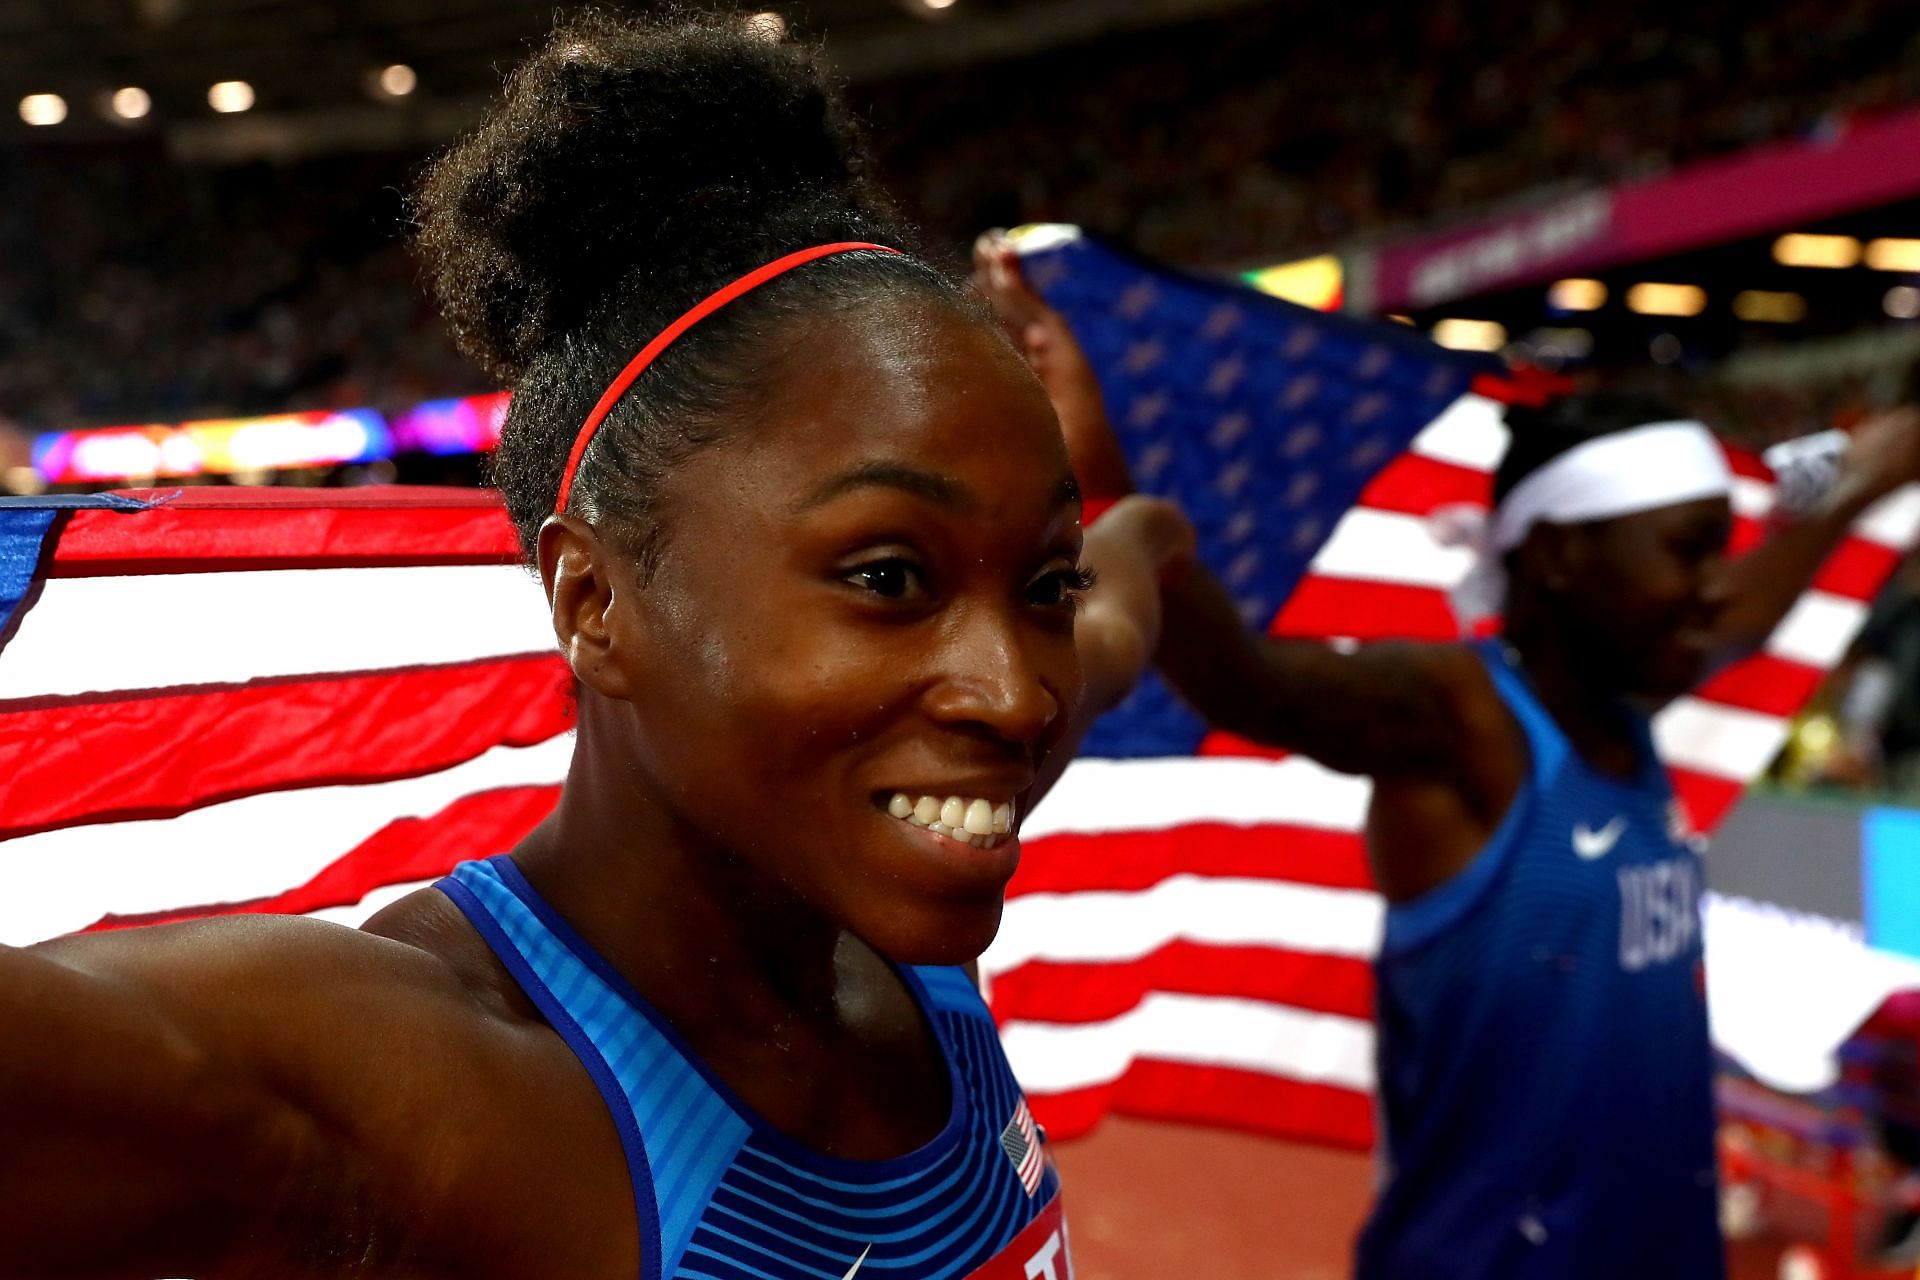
x: 888, y: 579
x: 1062, y: 587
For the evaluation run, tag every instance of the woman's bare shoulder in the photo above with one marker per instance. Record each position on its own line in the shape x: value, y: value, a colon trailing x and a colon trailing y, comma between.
x: 428, y: 1105
x: 412, y: 954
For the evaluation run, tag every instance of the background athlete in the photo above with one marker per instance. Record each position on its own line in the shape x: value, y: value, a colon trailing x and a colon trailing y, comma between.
x: 1545, y: 1069
x: 816, y: 575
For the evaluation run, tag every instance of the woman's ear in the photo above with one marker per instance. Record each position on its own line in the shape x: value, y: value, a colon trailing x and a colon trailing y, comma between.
x: 585, y: 583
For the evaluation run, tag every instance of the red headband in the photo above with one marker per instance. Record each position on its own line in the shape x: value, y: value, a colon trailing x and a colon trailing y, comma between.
x: 669, y: 335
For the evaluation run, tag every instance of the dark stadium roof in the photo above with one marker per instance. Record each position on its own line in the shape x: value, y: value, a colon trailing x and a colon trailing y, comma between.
x: 309, y: 63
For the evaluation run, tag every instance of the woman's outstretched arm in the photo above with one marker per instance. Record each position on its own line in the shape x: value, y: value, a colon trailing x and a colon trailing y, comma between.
x: 1763, y: 585
x: 1132, y: 550
x: 131, y: 1146
x: 208, y: 1100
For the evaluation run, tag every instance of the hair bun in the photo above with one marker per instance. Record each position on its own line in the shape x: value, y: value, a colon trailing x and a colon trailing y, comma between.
x: 628, y: 153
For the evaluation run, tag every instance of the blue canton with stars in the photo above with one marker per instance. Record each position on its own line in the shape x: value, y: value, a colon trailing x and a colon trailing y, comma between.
x: 24, y: 525
x: 1264, y: 421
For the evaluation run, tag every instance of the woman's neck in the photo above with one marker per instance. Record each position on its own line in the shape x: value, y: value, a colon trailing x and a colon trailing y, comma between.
x: 1594, y: 717
x: 808, y: 1026
x: 707, y: 938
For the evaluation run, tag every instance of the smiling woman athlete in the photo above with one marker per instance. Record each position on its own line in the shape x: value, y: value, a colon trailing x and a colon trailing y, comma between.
x: 813, y: 556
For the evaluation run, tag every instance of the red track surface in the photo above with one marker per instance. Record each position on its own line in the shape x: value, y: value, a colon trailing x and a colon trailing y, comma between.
x: 1152, y: 1201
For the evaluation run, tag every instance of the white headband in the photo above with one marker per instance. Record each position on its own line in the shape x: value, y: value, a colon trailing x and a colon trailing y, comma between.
x: 1624, y: 473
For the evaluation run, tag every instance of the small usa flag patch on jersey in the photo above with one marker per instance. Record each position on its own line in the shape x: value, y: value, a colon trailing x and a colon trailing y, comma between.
x: 1021, y: 1141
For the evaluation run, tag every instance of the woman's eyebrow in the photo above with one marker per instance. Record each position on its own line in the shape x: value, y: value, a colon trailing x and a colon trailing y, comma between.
x: 936, y: 488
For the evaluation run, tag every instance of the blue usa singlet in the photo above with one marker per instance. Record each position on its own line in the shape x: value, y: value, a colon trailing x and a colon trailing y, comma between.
x: 1545, y: 1071
x: 721, y: 1195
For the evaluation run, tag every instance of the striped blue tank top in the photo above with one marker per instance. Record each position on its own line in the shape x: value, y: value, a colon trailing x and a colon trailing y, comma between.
x: 1545, y: 1071
x: 723, y: 1196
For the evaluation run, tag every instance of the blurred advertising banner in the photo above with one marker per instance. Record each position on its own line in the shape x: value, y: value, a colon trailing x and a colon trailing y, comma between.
x: 237, y: 446
x: 1856, y: 165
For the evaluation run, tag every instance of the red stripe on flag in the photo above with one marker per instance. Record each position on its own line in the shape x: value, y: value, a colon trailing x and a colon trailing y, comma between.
x: 1325, y: 606
x: 123, y: 758
x: 1763, y: 682
x: 1857, y: 569
x: 1744, y: 462
x: 256, y: 529
x: 1044, y: 991
x: 1225, y: 1096
x: 1129, y: 860
x: 1415, y: 485
x: 409, y: 849
x: 1522, y: 385
x: 1707, y: 799
x: 1218, y: 742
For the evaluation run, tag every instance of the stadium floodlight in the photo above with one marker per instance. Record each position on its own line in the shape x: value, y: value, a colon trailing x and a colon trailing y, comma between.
x: 398, y: 80
x: 767, y: 24
x: 1576, y: 295
x: 1470, y: 335
x: 130, y: 103
x: 1767, y: 307
x: 1652, y: 298
x: 1799, y: 249
x: 230, y: 96
x: 1902, y: 302
x: 1893, y: 255
x: 43, y: 108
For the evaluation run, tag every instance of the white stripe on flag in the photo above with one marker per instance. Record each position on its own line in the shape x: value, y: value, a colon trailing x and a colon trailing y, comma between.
x: 1156, y: 795
x: 1752, y: 498
x: 1117, y: 926
x: 1893, y: 521
x: 1714, y: 738
x: 1223, y: 1031
x: 1470, y: 432
x: 1818, y: 629
x: 96, y: 635
x: 1390, y: 546
x: 58, y: 881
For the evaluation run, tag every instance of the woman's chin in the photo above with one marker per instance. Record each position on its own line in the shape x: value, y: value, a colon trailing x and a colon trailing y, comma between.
x: 943, y: 934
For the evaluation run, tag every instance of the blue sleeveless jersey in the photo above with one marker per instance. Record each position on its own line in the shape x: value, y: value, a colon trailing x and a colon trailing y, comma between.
x: 721, y: 1195
x: 1545, y: 1072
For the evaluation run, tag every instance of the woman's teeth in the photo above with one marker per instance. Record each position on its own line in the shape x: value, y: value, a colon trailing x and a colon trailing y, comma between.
x: 971, y: 821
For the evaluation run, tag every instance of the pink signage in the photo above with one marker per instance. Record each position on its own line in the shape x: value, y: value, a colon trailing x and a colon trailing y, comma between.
x: 1775, y: 188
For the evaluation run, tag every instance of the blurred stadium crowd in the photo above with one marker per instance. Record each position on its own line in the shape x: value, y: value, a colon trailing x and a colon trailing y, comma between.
x: 1285, y: 131
x: 135, y: 289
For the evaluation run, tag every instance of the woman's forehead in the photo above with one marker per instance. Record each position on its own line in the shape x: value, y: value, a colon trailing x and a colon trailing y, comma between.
x: 1700, y: 514
x: 902, y: 381
x: 940, y: 408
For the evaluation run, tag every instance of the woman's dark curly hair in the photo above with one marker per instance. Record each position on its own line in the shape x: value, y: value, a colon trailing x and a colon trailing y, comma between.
x: 630, y: 169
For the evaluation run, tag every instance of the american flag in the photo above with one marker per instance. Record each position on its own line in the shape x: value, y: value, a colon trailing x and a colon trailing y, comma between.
x: 263, y: 700
x: 1021, y: 1141
x: 1190, y: 932
x: 219, y: 700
